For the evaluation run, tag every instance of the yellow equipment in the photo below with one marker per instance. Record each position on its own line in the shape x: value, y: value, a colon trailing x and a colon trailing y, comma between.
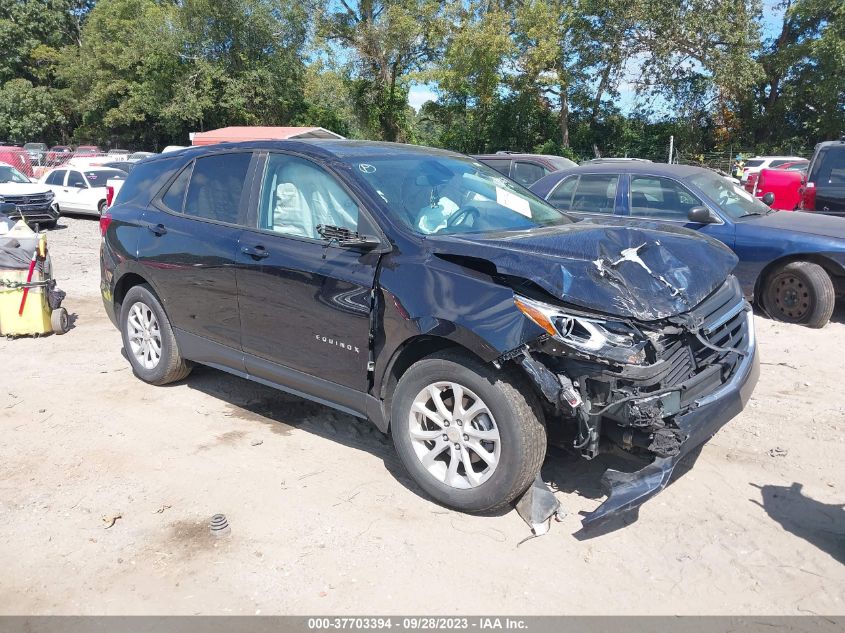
x: 30, y: 304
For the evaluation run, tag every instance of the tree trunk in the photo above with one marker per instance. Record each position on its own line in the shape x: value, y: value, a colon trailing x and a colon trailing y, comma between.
x: 564, y: 117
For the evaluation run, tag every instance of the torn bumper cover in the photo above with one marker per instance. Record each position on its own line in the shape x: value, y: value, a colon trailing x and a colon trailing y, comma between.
x: 629, y: 490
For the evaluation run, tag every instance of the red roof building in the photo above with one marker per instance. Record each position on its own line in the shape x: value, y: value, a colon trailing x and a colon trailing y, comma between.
x: 256, y: 133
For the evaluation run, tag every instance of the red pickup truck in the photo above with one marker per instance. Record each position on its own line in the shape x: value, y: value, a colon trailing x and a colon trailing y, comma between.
x: 784, y: 182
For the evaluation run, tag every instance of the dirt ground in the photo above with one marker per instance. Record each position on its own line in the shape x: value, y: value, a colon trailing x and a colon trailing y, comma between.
x: 107, y: 486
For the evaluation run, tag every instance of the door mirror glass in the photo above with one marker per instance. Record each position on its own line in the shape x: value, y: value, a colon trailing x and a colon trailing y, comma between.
x: 769, y: 198
x: 700, y: 215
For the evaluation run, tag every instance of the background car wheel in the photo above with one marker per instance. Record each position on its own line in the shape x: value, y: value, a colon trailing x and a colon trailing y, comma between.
x: 472, y: 437
x: 148, y: 339
x: 101, y: 207
x: 800, y: 292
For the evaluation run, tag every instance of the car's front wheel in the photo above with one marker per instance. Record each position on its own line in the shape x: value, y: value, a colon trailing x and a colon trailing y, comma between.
x: 472, y: 437
x: 148, y: 339
x: 800, y: 292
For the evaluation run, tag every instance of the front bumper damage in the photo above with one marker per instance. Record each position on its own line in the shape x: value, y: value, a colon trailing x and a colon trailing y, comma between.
x: 663, y: 410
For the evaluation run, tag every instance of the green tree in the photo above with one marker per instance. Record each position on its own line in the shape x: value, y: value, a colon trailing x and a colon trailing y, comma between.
x: 386, y: 40
x: 29, y: 112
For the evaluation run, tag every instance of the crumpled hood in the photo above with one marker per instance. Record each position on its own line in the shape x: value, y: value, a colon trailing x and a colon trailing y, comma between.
x: 639, y: 271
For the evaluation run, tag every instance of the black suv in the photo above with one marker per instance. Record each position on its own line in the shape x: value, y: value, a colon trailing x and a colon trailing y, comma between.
x: 424, y: 291
x: 824, y: 189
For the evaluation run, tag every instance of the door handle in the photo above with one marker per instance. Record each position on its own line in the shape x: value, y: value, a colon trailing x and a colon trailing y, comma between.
x: 158, y: 229
x: 258, y: 252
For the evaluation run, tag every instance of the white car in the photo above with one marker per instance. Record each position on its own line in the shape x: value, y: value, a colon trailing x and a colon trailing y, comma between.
x: 758, y: 163
x: 81, y: 190
x: 22, y: 198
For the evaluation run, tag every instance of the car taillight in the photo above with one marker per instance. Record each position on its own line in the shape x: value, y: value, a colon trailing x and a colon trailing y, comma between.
x: 105, y: 220
x: 109, y: 195
x: 758, y: 185
x: 808, y: 197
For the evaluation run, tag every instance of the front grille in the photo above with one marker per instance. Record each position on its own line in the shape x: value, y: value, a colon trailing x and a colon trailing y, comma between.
x: 724, y: 324
x: 32, y: 200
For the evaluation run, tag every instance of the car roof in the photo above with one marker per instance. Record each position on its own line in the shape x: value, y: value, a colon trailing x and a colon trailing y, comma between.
x: 635, y: 167
x: 326, y: 148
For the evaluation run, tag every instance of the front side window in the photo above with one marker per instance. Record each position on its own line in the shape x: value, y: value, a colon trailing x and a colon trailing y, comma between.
x: 444, y: 194
x: 297, y: 196
x: 217, y: 182
x: 526, y: 174
x: 10, y: 174
x: 660, y: 198
x: 75, y: 179
x: 596, y: 194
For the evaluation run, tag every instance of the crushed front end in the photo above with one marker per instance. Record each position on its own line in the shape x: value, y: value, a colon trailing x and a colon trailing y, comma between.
x: 654, y: 388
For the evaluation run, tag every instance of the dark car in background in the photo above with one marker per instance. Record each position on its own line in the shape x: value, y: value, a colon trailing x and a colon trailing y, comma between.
x: 792, y: 263
x: 824, y: 191
x: 526, y: 169
x: 424, y: 291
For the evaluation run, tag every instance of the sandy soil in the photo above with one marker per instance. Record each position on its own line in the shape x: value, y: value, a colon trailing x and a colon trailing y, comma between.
x: 324, y: 520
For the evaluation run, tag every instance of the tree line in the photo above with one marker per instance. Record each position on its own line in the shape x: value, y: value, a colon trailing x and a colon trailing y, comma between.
x: 523, y: 75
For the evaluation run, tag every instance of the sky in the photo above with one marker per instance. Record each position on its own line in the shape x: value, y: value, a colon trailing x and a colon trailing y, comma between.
x: 772, y: 18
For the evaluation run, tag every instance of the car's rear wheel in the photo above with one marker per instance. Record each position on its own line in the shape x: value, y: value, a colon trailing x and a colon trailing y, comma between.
x: 148, y: 339
x: 101, y: 207
x: 800, y: 292
x: 471, y: 437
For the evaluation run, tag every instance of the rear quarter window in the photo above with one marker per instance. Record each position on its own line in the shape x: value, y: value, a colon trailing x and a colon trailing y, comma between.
x: 829, y: 166
x: 146, y: 180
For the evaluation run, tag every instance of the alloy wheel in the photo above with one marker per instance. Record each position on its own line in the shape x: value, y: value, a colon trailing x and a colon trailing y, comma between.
x: 144, y: 335
x: 454, y: 435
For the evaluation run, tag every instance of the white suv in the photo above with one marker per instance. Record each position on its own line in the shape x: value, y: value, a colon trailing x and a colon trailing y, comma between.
x: 758, y: 163
x: 22, y: 198
x: 81, y: 190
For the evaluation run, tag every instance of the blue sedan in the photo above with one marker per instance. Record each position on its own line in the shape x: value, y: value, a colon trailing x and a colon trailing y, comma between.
x: 792, y: 263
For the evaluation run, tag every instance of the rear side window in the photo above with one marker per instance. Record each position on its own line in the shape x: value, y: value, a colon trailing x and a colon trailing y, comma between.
x: 174, y: 197
x: 214, y: 192
x: 55, y: 178
x: 527, y: 174
x: 146, y: 181
x: 561, y: 196
x: 754, y: 163
x: 503, y: 166
x: 595, y: 194
x: 829, y: 166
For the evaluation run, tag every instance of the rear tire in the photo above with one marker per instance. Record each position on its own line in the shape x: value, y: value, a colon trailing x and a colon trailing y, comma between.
x: 101, y: 207
x: 497, y: 432
x: 148, y: 338
x: 800, y: 292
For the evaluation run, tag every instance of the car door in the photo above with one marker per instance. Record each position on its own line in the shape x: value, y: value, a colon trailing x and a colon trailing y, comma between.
x: 663, y: 199
x: 187, y: 249
x: 305, y: 303
x: 76, y: 192
x: 55, y: 181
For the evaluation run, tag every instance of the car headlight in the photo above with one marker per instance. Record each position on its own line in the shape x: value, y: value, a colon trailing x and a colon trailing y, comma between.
x: 613, y: 340
x: 50, y: 196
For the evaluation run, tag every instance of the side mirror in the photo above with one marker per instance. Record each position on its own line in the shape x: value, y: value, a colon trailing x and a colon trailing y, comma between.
x: 700, y: 215
x: 343, y: 237
x: 769, y: 198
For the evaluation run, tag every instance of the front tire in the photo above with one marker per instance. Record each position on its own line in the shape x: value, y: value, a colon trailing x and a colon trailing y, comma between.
x: 148, y: 339
x: 473, y: 438
x: 800, y: 292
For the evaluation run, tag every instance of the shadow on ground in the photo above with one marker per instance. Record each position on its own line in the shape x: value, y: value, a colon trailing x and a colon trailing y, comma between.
x: 821, y: 524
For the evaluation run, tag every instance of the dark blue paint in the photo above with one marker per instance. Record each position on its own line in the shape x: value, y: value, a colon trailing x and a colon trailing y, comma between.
x: 758, y: 241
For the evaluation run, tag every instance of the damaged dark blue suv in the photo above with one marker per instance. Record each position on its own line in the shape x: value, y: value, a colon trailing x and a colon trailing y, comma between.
x: 424, y: 291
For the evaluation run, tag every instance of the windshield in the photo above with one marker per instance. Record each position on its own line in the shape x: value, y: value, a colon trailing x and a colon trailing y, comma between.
x: 10, y: 174
x: 733, y: 200
x: 450, y: 194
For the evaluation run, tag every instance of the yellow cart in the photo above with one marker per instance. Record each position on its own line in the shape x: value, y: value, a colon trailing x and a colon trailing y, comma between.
x: 30, y: 303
